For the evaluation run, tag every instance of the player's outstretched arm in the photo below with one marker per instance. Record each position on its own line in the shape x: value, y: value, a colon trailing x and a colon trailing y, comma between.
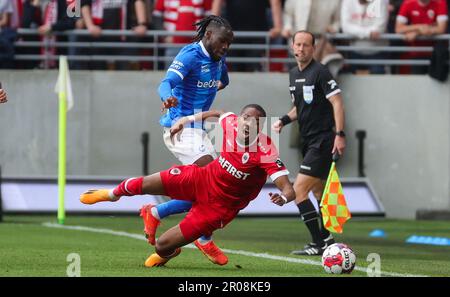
x: 287, y: 191
x: 201, y: 116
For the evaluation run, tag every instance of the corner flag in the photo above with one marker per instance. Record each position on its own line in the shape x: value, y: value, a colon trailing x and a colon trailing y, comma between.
x: 64, y: 89
x: 334, y: 208
x: 64, y: 86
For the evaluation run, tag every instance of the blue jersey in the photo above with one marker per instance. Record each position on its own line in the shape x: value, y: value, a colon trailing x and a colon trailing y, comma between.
x: 192, y: 78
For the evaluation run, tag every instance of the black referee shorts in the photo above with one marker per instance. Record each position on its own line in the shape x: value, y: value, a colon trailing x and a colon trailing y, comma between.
x: 317, y: 156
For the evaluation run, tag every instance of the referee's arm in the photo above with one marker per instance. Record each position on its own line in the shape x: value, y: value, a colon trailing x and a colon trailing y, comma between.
x: 338, y: 112
x: 284, y: 120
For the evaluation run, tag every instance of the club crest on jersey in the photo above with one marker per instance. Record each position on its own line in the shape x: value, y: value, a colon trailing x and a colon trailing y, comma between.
x: 205, y: 68
x: 308, y: 94
x: 245, y: 158
x: 279, y: 163
x: 175, y: 171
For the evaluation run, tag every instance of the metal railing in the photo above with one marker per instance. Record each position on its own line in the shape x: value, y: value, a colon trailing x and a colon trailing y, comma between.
x: 152, y: 43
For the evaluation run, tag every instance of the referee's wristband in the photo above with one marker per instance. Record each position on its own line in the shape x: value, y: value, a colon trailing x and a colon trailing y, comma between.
x: 285, y: 120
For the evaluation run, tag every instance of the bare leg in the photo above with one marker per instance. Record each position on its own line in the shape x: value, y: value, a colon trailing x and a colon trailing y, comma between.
x: 169, y: 241
x: 303, y: 185
x: 153, y: 185
x: 318, y: 190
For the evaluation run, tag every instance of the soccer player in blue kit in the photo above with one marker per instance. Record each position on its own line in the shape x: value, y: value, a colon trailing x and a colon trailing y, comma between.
x: 190, y: 86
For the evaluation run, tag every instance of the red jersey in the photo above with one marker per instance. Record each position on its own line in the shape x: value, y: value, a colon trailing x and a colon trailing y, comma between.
x: 238, y: 175
x: 412, y: 13
x: 181, y: 15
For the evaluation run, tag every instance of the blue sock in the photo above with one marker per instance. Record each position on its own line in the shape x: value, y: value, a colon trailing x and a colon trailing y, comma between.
x: 205, y: 238
x: 173, y: 207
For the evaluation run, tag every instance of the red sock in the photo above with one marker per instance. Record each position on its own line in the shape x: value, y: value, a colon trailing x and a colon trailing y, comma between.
x: 129, y: 187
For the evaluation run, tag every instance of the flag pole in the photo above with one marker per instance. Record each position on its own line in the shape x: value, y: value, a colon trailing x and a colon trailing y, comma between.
x: 62, y: 124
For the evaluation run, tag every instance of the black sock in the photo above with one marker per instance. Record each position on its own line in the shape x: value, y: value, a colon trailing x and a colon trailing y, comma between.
x: 310, y: 217
x: 323, y: 231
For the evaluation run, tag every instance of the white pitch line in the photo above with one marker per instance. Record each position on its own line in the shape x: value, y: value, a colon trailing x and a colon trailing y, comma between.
x: 235, y: 252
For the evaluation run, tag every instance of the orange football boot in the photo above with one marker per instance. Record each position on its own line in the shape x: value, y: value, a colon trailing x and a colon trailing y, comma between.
x: 156, y: 260
x: 212, y: 252
x: 94, y: 196
x: 150, y: 223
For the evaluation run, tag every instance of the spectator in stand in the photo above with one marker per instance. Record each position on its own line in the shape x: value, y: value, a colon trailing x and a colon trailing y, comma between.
x: 17, y: 13
x: 138, y: 21
x: 30, y: 17
x: 7, y: 34
x: 250, y: 15
x: 101, y: 15
x: 179, y: 15
x: 448, y: 15
x: 56, y: 19
x: 394, y: 7
x: 366, y: 20
x: 317, y: 17
x: 421, y: 18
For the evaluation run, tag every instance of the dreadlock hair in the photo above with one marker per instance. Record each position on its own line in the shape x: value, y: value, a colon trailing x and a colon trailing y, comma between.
x: 214, y: 20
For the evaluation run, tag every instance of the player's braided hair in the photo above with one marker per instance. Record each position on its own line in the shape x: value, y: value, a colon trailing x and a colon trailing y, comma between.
x: 210, y: 20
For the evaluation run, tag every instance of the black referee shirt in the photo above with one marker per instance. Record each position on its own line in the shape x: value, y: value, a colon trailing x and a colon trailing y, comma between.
x: 310, y: 90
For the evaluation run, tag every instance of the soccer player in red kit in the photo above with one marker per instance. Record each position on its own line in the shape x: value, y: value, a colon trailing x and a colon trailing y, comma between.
x: 220, y: 189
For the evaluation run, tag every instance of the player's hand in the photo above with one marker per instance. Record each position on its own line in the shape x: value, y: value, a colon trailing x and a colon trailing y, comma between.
x: 176, y: 129
x: 277, y: 126
x: 339, y: 145
x: 170, y: 102
x: 3, y: 98
x: 220, y: 86
x: 277, y: 199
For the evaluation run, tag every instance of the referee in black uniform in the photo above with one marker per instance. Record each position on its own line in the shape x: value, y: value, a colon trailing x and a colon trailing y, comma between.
x: 319, y: 110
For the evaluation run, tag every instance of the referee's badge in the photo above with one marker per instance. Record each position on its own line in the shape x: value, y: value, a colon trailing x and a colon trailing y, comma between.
x: 245, y: 157
x: 308, y: 94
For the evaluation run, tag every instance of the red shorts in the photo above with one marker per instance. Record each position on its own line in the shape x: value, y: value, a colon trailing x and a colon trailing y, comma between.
x: 190, y: 182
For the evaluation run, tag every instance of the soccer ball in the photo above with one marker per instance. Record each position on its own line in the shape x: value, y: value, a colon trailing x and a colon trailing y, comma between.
x: 338, y: 258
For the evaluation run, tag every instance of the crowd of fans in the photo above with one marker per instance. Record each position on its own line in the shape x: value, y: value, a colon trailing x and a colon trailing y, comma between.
x: 364, y: 19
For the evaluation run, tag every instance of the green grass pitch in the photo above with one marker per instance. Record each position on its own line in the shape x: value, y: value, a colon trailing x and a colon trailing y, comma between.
x: 29, y: 248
